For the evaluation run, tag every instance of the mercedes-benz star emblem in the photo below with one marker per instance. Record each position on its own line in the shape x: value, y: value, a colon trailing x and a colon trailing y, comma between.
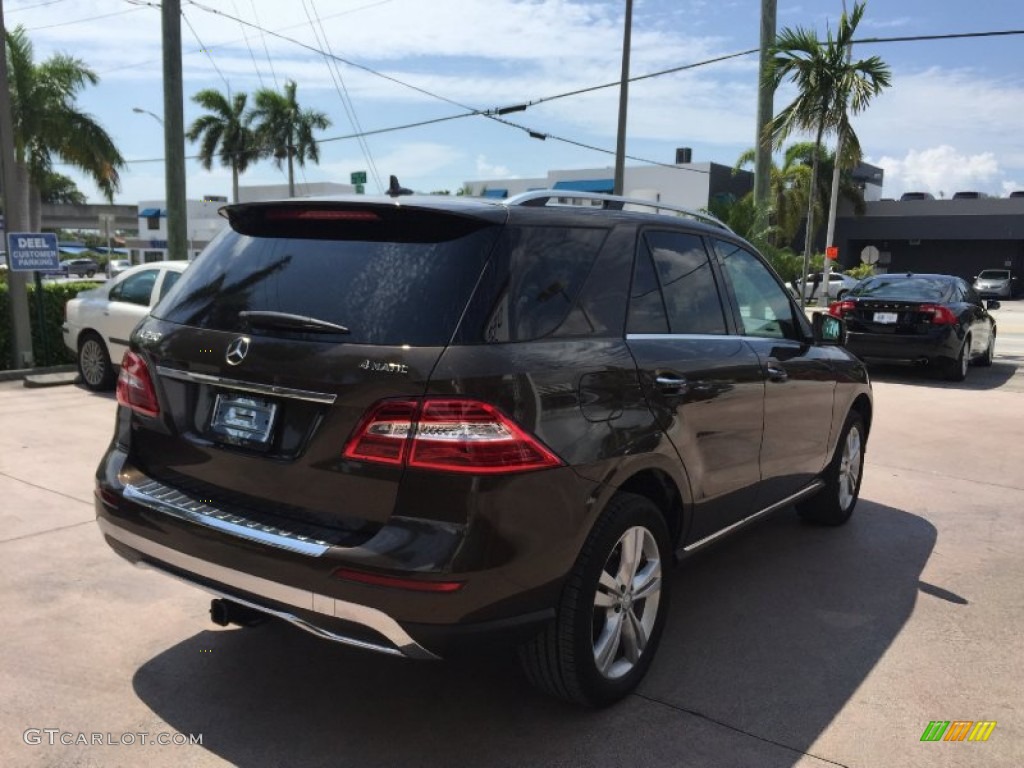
x: 237, y: 350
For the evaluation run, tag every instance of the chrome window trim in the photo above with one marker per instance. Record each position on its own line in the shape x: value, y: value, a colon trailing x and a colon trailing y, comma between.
x: 324, y: 605
x: 677, y: 336
x: 247, y: 386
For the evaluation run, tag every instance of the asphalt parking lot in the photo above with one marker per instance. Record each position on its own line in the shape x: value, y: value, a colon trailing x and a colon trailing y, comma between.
x: 786, y: 645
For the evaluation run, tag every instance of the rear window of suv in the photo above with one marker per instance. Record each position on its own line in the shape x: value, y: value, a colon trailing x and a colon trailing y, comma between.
x: 404, y: 279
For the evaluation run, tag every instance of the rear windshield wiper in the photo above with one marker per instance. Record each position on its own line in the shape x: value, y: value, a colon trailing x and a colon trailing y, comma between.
x: 262, y: 318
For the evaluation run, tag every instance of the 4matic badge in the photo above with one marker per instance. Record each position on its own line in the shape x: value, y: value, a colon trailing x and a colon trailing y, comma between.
x: 374, y: 365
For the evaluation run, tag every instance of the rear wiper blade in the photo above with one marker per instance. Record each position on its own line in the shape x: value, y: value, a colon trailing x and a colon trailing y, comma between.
x: 263, y: 318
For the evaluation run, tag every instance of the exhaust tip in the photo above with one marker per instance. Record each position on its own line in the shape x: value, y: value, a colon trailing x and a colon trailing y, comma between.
x: 224, y: 612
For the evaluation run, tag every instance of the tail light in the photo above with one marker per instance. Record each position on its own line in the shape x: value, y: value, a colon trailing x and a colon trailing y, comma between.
x: 447, y: 434
x: 940, y: 315
x: 135, y: 386
x: 840, y: 308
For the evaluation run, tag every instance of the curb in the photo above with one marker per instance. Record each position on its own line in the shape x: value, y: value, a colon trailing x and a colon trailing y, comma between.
x: 21, y: 373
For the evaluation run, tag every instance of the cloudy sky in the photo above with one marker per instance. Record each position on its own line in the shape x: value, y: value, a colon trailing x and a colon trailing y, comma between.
x: 952, y: 120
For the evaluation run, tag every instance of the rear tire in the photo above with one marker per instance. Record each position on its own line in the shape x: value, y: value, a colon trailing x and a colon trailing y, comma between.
x: 985, y: 361
x: 956, y: 369
x: 612, y: 610
x: 834, y: 503
x: 94, y: 363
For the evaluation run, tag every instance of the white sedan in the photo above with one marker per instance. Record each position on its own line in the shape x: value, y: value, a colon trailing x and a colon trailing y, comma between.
x: 98, y: 322
x: 838, y: 285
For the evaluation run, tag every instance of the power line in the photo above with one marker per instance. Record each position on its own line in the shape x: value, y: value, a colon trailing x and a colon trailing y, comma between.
x: 315, y: 50
x: 373, y: 132
x: 82, y: 21
x: 206, y: 51
x: 30, y: 7
x: 252, y: 55
x: 951, y: 36
x: 263, y: 39
x: 343, y: 94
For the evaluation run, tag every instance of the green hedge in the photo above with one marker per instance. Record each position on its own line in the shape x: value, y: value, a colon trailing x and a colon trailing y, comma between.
x: 55, y: 296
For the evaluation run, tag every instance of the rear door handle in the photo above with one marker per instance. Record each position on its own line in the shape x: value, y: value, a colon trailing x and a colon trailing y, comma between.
x: 671, y: 385
x: 777, y: 373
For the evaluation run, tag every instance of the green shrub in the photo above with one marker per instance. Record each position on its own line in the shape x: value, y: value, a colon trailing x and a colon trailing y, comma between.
x: 55, y: 296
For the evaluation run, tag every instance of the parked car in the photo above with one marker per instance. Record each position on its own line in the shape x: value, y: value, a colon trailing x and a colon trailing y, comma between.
x: 839, y: 284
x: 932, y: 319
x: 116, y: 266
x: 997, y: 284
x: 401, y: 427
x: 79, y: 267
x: 97, y: 322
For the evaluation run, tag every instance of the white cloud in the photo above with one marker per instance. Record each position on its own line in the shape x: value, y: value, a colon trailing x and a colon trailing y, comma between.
x: 1009, y: 186
x: 940, y: 170
x: 486, y: 170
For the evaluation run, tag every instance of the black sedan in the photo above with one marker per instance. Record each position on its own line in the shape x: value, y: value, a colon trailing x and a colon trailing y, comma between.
x: 932, y: 319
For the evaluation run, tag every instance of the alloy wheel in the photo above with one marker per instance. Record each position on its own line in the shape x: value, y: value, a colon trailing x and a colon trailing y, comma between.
x: 849, y: 468
x: 626, y: 602
x: 93, y: 362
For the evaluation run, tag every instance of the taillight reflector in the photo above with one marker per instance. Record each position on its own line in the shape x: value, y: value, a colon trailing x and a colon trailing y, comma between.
x: 840, y: 308
x: 135, y: 386
x: 447, y: 434
x: 382, y: 580
x: 940, y: 315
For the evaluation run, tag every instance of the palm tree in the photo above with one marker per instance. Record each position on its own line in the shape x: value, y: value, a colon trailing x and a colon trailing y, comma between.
x: 830, y: 86
x: 287, y: 129
x: 47, y: 123
x: 224, y: 133
x: 58, y: 188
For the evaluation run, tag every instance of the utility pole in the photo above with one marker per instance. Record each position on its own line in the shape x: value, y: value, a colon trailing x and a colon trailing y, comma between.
x: 16, y: 214
x: 765, y: 108
x: 174, y: 132
x: 620, y: 144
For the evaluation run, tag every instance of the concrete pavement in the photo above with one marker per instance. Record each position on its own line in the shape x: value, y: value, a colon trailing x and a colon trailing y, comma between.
x: 787, y: 645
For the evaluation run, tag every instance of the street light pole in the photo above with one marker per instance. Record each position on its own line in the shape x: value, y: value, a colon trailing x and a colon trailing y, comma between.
x: 620, y: 144
x: 154, y: 115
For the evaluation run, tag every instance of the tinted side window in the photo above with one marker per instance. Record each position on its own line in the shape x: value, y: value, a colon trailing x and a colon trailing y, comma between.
x: 765, y: 309
x: 531, y: 286
x: 137, y: 289
x: 687, y: 282
x: 170, y: 278
x: 646, y: 306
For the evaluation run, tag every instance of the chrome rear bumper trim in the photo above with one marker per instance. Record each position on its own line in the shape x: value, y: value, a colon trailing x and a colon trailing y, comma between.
x: 378, y: 621
x: 176, y: 504
x: 247, y: 386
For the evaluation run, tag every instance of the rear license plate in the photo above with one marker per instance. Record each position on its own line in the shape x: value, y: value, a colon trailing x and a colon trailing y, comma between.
x: 243, y: 419
x: 886, y: 317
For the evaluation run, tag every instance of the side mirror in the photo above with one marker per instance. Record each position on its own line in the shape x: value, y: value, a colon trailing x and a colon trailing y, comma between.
x: 828, y: 330
x: 992, y: 304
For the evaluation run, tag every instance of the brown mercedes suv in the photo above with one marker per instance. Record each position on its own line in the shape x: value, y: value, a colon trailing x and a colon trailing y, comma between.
x: 398, y: 424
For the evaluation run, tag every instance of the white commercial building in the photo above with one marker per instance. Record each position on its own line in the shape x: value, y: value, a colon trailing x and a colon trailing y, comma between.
x: 690, y: 185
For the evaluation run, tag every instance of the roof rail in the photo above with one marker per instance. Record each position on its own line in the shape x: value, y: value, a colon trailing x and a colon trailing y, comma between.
x: 541, y: 197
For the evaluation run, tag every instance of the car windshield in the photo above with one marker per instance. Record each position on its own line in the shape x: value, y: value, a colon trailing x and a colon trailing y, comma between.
x: 995, y: 274
x: 904, y: 288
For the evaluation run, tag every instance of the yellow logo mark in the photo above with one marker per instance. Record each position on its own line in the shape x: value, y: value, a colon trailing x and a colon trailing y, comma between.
x: 982, y: 730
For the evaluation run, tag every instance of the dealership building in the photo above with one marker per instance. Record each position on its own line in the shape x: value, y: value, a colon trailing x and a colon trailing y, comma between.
x: 961, y: 235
